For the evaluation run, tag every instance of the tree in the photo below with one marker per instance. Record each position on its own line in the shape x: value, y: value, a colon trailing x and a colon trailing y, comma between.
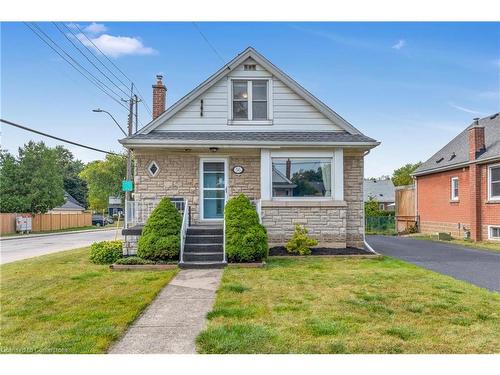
x: 32, y: 182
x: 71, y: 168
x: 402, y: 175
x: 104, y: 178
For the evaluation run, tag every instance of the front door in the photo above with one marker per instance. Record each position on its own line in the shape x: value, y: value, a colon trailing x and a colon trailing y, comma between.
x: 213, y: 194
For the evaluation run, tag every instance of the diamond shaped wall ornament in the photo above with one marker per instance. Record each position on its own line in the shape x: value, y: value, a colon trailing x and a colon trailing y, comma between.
x: 153, y: 168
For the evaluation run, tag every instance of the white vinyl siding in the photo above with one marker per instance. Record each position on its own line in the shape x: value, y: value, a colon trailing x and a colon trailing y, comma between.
x: 287, y: 111
x: 454, y: 189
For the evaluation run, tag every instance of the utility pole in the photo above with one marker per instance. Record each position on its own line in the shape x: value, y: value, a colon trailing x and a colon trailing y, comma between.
x: 129, y: 154
x: 136, y: 99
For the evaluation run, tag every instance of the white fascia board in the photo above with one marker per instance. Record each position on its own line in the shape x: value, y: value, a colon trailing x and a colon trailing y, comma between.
x: 203, y: 143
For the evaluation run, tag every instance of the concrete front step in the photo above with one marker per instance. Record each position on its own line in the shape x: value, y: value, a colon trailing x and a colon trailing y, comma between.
x: 204, y: 257
x: 204, y: 238
x: 202, y: 265
x: 203, y: 247
x: 205, y: 230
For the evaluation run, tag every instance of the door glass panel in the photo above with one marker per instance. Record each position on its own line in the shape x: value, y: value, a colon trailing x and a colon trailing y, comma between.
x: 213, y: 190
x: 213, y: 208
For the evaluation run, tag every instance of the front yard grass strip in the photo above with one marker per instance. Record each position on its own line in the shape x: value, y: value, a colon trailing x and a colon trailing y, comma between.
x: 349, y: 305
x: 62, y: 303
x: 139, y: 267
x: 483, y: 245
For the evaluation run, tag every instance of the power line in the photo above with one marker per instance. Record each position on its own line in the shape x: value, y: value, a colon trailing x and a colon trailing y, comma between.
x: 93, y: 54
x: 72, y: 64
x: 208, y: 42
x: 54, y: 137
x: 86, y: 57
x: 112, y: 63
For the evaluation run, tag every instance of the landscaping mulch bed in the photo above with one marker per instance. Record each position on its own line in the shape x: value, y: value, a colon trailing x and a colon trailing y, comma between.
x: 281, y: 251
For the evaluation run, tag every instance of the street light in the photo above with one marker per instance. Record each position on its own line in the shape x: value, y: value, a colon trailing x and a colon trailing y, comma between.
x: 99, y: 110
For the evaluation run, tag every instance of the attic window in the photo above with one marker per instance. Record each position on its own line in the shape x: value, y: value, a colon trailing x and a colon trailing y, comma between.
x: 250, y: 67
x: 153, y: 169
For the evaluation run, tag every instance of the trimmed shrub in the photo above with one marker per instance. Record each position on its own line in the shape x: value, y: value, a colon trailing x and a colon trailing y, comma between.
x: 246, y: 238
x: 160, y: 237
x: 133, y: 260
x: 300, y: 242
x: 106, y: 252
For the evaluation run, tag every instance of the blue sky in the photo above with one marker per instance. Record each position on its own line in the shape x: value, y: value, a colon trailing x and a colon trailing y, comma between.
x: 412, y: 86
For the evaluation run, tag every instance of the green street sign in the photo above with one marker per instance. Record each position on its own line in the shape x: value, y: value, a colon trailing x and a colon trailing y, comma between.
x: 127, y: 185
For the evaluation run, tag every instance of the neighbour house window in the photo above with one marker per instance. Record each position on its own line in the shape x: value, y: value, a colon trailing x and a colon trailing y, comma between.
x: 494, y: 233
x: 301, y: 177
x: 454, y: 188
x: 250, y: 100
x: 494, y: 182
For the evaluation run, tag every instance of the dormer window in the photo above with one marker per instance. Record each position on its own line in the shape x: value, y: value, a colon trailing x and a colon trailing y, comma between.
x: 250, y: 100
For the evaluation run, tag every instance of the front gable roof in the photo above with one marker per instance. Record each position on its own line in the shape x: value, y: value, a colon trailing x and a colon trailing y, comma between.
x: 227, y: 69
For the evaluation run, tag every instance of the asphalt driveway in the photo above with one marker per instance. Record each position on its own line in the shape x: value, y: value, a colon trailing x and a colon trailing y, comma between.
x: 478, y: 267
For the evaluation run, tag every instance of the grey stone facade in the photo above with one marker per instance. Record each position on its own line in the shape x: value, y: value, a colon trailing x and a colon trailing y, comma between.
x: 332, y: 223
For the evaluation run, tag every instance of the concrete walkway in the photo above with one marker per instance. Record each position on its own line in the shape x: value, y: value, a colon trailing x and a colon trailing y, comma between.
x: 174, y: 319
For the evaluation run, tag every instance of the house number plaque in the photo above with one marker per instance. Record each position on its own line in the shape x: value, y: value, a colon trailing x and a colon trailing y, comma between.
x: 238, y: 169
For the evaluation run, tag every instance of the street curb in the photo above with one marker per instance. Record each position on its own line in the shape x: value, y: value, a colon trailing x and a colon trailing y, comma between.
x: 56, y: 234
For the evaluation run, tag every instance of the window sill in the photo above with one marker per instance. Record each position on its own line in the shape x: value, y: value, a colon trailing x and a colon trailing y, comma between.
x: 493, y: 201
x: 454, y: 200
x: 304, y: 203
x: 247, y: 122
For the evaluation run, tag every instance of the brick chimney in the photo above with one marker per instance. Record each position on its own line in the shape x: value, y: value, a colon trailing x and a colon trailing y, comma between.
x: 159, y: 97
x: 476, y: 148
x: 476, y: 140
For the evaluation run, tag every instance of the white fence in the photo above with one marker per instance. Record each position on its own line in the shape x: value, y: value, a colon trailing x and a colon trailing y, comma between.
x: 137, y: 212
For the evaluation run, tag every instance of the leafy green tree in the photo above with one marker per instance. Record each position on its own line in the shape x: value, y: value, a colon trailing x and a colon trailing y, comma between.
x: 71, y: 168
x: 104, y: 179
x: 402, y: 175
x: 371, y: 208
x: 32, y: 182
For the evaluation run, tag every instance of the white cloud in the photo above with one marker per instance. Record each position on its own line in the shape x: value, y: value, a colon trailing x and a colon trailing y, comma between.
x: 110, y: 45
x: 116, y: 46
x: 400, y: 44
x: 95, y: 28
x: 466, y: 110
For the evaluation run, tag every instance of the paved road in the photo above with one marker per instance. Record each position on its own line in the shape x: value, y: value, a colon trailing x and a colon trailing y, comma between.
x: 22, y: 248
x: 479, y: 267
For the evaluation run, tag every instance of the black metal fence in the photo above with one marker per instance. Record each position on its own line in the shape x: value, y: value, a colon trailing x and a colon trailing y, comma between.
x: 380, y: 224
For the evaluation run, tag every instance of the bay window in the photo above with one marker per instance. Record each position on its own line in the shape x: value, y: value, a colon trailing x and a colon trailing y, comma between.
x: 250, y: 100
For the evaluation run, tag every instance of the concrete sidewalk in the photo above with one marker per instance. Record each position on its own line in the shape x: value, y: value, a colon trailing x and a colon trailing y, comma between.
x: 174, y: 319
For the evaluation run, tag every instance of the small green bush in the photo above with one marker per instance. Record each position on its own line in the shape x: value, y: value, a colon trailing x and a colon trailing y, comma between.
x: 300, y: 242
x: 106, y: 252
x: 246, y: 238
x: 133, y: 260
x: 160, y: 238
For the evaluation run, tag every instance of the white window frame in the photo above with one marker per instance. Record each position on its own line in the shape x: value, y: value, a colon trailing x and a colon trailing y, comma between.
x: 249, y: 121
x: 454, y: 197
x: 337, y: 170
x: 209, y: 159
x: 490, y: 231
x: 490, y: 190
x: 157, y: 168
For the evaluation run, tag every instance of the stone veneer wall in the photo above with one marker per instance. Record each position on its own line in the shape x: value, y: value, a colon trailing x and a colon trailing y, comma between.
x: 325, y: 221
x: 179, y: 175
x: 353, y: 195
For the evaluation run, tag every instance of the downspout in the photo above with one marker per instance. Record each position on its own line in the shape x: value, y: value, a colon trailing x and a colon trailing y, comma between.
x: 367, y: 245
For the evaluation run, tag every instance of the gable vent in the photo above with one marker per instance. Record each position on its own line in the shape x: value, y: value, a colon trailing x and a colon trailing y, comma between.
x: 251, y: 67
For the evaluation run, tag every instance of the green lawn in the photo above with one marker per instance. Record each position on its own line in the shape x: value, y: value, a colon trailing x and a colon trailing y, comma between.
x: 62, y: 303
x: 482, y: 245
x: 89, y: 227
x: 313, y: 305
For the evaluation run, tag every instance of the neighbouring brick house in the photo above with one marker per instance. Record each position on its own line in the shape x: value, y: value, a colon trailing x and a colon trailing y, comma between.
x: 458, y: 188
x: 251, y: 129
